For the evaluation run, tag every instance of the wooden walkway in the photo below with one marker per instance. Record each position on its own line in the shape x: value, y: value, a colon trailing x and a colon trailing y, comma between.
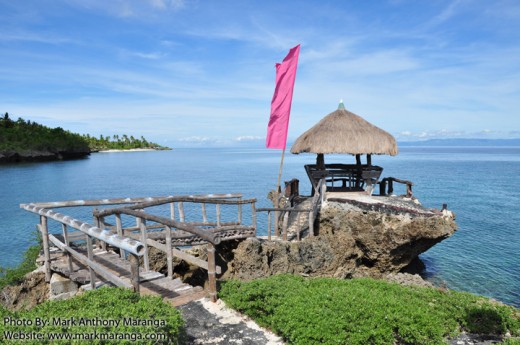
x: 173, y: 291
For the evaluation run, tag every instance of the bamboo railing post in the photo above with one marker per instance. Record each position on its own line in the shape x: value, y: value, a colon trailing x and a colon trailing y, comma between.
x: 181, y: 211
x: 212, y: 279
x: 98, y: 222
x: 276, y: 219
x: 134, y: 271
x: 169, y: 251
x: 204, y: 214
x: 218, y: 214
x: 46, y: 252
x: 119, y: 229
x: 253, y: 212
x: 90, y: 256
x: 284, y: 225
x: 67, y: 243
x: 269, y: 225
x: 143, y: 241
x: 172, y: 210
x: 239, y: 211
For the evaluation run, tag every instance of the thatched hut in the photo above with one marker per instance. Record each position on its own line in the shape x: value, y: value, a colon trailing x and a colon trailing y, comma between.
x: 346, y: 133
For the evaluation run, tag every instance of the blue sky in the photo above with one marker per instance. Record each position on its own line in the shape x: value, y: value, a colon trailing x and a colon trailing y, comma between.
x: 187, y: 73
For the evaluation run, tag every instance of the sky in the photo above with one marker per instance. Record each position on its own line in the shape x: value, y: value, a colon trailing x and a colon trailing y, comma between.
x: 201, y: 73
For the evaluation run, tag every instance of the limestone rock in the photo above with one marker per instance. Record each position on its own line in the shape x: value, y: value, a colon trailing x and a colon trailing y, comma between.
x: 355, y: 238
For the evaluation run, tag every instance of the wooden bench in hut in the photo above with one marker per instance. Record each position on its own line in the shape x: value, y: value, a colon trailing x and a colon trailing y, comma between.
x: 345, y: 177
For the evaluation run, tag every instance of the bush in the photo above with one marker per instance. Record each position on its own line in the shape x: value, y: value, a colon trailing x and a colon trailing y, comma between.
x: 103, y: 316
x: 12, y: 276
x: 364, y: 311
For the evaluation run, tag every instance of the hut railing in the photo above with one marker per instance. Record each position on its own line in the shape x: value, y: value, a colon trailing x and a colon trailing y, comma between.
x: 133, y: 247
x: 389, y: 181
x: 343, y: 177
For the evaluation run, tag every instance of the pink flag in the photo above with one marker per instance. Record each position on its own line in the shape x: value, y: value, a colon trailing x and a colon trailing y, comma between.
x: 282, y: 98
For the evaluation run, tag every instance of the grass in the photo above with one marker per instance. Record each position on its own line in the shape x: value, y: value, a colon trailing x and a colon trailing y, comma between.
x: 365, y: 311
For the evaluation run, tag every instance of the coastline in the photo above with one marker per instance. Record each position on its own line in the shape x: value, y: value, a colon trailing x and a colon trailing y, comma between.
x: 128, y: 150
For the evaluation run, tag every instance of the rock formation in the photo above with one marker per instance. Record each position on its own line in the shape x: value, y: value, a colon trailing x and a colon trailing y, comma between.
x: 361, y: 236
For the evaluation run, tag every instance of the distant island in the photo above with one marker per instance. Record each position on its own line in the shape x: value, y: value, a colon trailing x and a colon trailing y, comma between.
x: 22, y: 141
x: 462, y: 142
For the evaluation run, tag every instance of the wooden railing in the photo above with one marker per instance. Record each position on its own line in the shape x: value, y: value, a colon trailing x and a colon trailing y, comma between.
x: 134, y: 241
x: 389, y: 181
x: 344, y: 177
x: 285, y: 212
x: 133, y: 247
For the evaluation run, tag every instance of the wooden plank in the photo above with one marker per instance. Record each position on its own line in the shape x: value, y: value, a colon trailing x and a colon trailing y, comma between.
x: 45, y: 242
x: 102, y: 271
x: 212, y: 279
x: 181, y: 300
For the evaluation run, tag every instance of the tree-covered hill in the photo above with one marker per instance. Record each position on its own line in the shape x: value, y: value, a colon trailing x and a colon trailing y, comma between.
x: 23, y: 140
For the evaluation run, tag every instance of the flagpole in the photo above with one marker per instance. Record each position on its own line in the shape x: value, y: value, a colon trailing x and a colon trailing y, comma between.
x: 278, y: 190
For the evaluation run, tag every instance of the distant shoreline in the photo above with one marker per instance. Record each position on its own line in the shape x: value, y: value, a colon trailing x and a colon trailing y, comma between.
x: 128, y: 150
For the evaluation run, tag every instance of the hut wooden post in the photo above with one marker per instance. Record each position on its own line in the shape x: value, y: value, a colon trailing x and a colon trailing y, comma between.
x: 169, y: 252
x: 369, y: 159
x: 67, y: 254
x: 45, y: 242
x: 90, y: 255
x: 146, y: 262
x: 119, y: 229
x: 134, y: 272
x: 358, y: 159
x: 382, y: 187
x: 212, y: 279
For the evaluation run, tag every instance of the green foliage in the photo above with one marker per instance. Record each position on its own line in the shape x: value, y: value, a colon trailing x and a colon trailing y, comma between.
x: 364, y: 311
x: 23, y: 136
x: 12, y: 276
x: 119, y: 143
x: 151, y: 321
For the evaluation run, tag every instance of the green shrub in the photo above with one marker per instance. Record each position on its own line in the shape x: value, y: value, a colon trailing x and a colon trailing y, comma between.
x: 12, y: 276
x: 103, y: 316
x: 364, y: 311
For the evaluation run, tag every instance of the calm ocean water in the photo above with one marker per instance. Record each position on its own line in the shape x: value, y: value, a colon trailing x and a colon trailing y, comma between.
x: 481, y: 185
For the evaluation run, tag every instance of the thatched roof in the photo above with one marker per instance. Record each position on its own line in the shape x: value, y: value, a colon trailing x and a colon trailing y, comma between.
x: 344, y: 132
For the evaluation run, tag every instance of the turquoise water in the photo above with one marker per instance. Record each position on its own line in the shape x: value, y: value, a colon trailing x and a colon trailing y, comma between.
x: 481, y: 185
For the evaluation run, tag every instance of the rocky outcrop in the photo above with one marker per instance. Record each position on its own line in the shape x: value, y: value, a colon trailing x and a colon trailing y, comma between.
x: 364, y: 236
x: 10, y: 156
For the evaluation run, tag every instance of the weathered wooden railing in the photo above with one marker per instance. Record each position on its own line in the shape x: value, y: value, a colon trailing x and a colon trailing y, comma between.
x: 175, y: 233
x: 285, y: 212
x: 390, y: 182
x: 178, y: 233
x: 133, y: 247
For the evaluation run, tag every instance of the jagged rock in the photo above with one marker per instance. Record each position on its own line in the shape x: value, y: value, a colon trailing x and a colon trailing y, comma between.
x: 31, y: 292
x: 356, y: 237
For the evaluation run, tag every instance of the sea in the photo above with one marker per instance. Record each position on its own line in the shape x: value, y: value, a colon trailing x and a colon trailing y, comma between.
x: 481, y: 185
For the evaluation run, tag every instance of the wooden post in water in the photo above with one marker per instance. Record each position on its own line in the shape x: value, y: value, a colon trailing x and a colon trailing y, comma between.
x: 45, y: 242
x: 134, y: 271
x: 67, y: 243
x: 169, y: 252
x: 90, y: 255
x: 143, y: 241
x: 212, y: 279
